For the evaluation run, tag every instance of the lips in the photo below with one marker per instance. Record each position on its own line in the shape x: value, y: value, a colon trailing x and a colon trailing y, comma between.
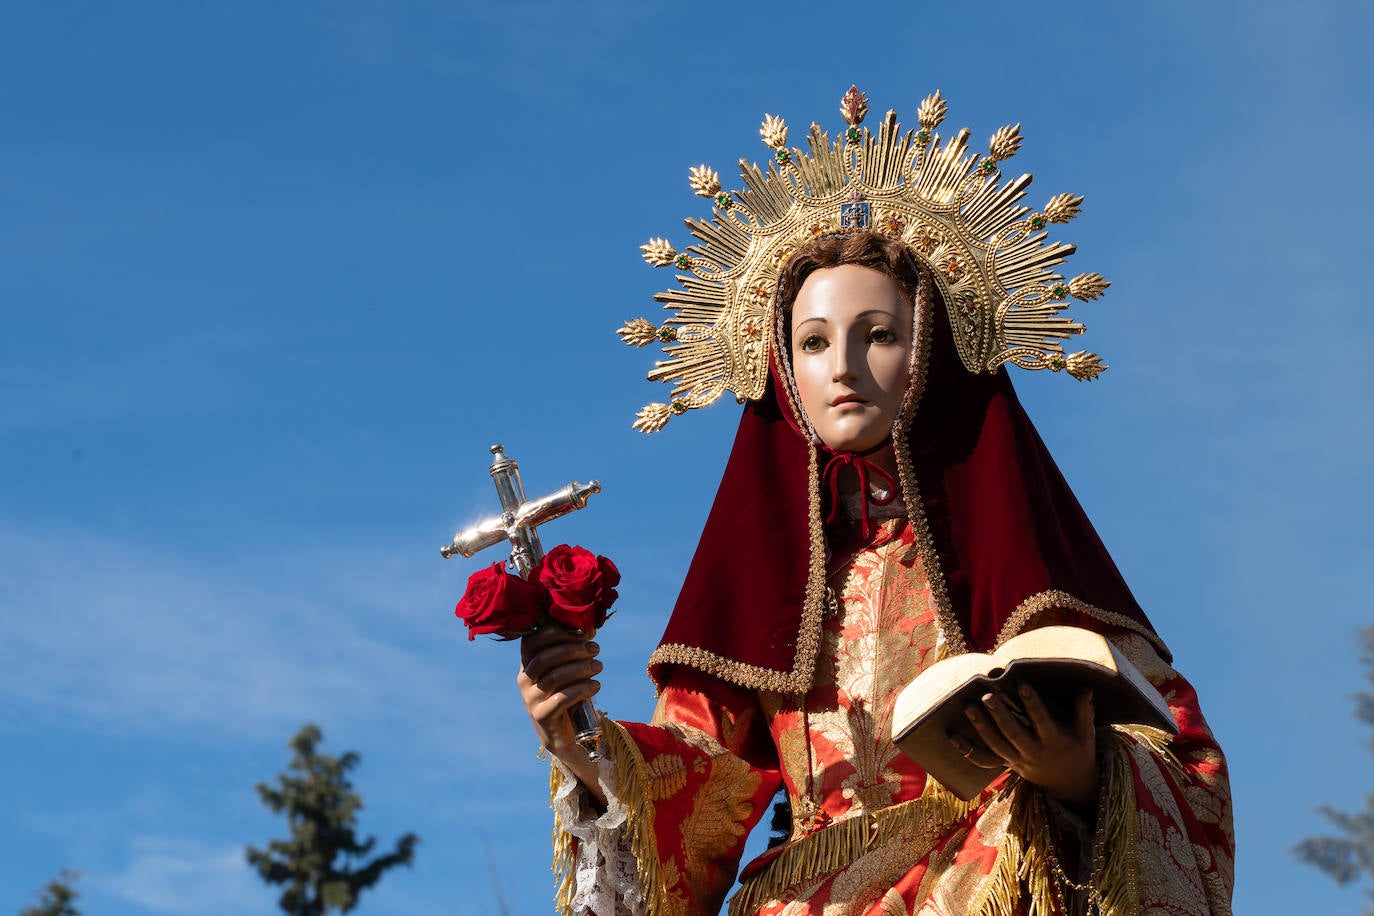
x: 847, y: 399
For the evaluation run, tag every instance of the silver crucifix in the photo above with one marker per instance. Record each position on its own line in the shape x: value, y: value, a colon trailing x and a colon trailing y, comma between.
x: 518, y: 524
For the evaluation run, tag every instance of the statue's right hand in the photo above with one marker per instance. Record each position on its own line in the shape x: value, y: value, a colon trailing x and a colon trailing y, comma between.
x: 556, y: 673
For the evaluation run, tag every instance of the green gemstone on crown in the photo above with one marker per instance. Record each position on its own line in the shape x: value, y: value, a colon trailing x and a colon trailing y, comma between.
x: 783, y: 156
x: 667, y: 334
x: 853, y: 134
x: 1059, y: 291
x: 683, y: 261
x: 988, y: 165
x: 1037, y: 222
x: 923, y: 137
x: 678, y: 406
x: 723, y: 200
x: 1057, y: 362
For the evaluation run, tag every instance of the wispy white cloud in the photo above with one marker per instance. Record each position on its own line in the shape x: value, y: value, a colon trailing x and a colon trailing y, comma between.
x: 139, y: 641
x: 179, y: 875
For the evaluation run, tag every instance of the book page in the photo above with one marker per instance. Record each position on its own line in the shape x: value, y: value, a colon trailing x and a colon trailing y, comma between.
x: 938, y: 682
x: 1059, y: 642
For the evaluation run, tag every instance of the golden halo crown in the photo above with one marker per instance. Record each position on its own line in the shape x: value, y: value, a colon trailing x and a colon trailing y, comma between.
x: 989, y: 255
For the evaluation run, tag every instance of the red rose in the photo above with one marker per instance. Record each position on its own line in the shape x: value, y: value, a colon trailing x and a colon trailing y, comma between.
x: 498, y: 602
x: 581, y: 586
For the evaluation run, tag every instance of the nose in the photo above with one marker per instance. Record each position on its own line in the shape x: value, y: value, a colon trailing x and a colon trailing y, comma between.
x: 841, y: 369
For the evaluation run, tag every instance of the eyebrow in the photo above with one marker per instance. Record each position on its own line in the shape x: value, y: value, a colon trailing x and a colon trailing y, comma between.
x: 864, y: 314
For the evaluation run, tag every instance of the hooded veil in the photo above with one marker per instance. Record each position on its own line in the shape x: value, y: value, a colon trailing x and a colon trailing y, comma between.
x: 1003, y: 537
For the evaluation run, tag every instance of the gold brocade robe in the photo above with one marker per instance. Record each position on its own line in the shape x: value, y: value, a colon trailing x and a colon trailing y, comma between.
x: 871, y: 833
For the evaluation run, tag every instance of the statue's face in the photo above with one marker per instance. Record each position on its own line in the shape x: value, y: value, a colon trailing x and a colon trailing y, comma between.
x: 851, y: 348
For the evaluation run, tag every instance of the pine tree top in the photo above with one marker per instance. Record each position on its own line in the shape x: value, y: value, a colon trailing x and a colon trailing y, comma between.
x: 322, y: 866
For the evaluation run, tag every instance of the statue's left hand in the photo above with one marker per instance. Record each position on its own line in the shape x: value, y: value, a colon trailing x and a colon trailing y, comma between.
x: 1059, y: 756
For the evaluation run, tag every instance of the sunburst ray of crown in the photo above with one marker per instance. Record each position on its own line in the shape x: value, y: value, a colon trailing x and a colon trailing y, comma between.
x: 989, y: 255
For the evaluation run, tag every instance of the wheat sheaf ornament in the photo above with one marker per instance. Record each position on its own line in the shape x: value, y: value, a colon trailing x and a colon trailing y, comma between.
x: 989, y: 254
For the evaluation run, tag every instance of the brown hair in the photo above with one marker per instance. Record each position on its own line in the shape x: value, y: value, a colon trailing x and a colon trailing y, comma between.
x: 865, y: 248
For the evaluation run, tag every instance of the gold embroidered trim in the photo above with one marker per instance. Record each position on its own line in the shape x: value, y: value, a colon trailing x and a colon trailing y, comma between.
x: 1049, y: 600
x: 921, y: 821
x: 632, y: 778
x: 753, y: 677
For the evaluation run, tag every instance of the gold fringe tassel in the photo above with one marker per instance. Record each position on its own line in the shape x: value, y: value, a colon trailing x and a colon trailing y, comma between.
x: 1118, y: 883
x: 1154, y: 740
x: 1020, y: 857
x: 1023, y: 857
x: 923, y: 821
x: 564, y: 850
x: 1022, y: 862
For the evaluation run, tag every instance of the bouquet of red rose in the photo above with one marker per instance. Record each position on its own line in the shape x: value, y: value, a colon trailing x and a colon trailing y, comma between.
x: 570, y: 585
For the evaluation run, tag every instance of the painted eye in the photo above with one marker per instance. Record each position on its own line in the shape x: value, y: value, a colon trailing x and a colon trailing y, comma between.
x: 811, y: 343
x: 882, y: 335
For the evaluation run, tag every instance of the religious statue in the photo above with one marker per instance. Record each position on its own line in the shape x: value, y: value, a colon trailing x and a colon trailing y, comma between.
x: 887, y: 504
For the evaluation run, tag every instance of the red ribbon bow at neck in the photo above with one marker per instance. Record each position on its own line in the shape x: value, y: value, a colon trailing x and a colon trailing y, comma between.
x: 830, y: 479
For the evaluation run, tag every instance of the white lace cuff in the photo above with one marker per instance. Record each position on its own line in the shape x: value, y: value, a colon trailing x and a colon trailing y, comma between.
x: 607, y: 881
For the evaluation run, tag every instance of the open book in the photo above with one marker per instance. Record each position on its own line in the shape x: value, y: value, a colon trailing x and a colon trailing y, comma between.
x: 1059, y: 662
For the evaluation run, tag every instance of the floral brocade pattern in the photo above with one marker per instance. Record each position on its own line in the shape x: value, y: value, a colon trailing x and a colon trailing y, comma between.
x: 838, y: 757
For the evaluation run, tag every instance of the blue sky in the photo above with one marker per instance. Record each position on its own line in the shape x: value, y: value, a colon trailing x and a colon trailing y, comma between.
x: 274, y: 275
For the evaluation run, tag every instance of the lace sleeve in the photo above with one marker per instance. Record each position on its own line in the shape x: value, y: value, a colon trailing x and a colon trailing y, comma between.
x: 605, y: 881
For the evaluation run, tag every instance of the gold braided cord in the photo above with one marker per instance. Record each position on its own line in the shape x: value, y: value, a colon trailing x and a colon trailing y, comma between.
x: 953, y: 640
x: 987, y: 253
x: 1041, y: 602
x: 754, y: 677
